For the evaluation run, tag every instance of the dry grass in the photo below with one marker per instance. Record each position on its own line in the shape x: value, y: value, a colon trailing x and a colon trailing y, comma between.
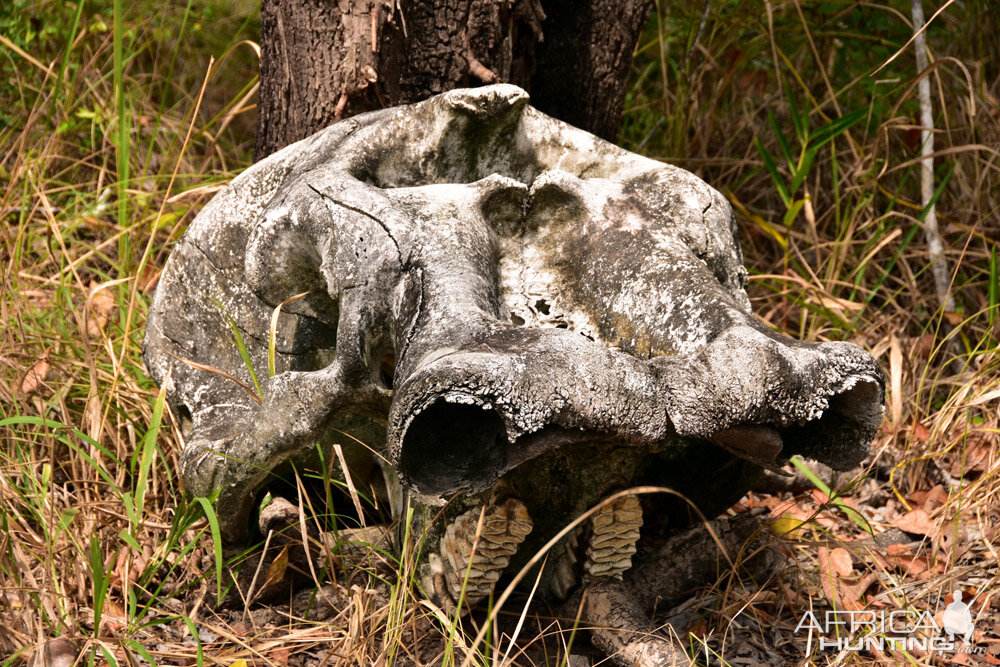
x: 98, y: 544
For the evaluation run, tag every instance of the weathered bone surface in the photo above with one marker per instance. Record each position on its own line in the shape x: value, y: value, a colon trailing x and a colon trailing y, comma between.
x: 497, y: 303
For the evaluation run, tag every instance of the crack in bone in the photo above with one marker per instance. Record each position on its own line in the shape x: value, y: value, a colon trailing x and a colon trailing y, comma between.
x: 355, y: 209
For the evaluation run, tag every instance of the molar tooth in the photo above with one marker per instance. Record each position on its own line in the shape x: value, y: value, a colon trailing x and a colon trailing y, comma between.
x: 595, y: 570
x: 504, y: 527
x: 625, y: 537
x: 614, y: 531
x: 610, y: 554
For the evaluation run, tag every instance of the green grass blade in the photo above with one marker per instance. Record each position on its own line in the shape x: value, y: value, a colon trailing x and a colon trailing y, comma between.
x: 213, y: 523
x: 802, y: 170
x: 241, y: 346
x: 141, y: 650
x: 819, y: 484
x: 193, y: 629
x: 799, y: 120
x: 835, y: 128
x: 123, y: 141
x: 109, y: 657
x: 908, y: 238
x: 100, y: 580
x: 79, y: 451
x: 56, y: 95
x: 786, y: 150
x: 793, y: 211
x: 772, y: 170
x: 129, y: 540
x: 148, y: 449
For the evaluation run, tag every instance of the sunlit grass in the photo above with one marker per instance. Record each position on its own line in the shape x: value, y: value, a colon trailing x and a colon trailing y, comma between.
x: 99, y: 544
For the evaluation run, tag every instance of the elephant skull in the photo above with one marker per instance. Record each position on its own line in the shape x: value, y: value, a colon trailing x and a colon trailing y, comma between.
x: 505, y: 310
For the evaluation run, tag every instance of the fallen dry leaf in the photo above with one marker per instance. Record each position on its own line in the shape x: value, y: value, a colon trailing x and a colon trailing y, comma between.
x: 954, y: 318
x: 776, y: 505
x: 128, y: 566
x: 740, y: 507
x: 898, y: 549
x: 100, y: 305
x: 852, y: 503
x: 840, y: 591
x: 841, y: 562
x: 921, y: 432
x: 276, y: 570
x: 953, y: 540
x: 790, y: 508
x: 854, y: 593
x: 279, y: 656
x: 913, y: 566
x: 113, y: 619
x: 58, y: 652
x: 784, y: 524
x: 936, y: 497
x: 916, y: 521
x: 828, y: 578
x: 147, y: 281
x: 36, y: 376
x: 923, y: 346
x: 978, y: 458
x: 699, y: 629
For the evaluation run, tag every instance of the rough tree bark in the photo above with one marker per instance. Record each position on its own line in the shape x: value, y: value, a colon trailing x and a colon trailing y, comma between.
x: 583, y: 63
x: 323, y: 60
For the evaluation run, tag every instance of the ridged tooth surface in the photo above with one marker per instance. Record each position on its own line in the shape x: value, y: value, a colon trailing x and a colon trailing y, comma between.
x: 614, y: 531
x: 505, y: 526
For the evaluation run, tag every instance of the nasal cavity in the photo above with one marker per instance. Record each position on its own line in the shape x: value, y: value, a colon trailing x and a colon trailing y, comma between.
x: 450, y: 446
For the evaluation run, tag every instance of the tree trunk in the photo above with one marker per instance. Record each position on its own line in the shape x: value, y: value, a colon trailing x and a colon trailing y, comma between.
x: 323, y: 60
x: 585, y: 59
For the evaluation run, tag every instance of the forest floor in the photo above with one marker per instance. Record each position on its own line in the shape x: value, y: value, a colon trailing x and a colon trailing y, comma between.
x: 116, y: 130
